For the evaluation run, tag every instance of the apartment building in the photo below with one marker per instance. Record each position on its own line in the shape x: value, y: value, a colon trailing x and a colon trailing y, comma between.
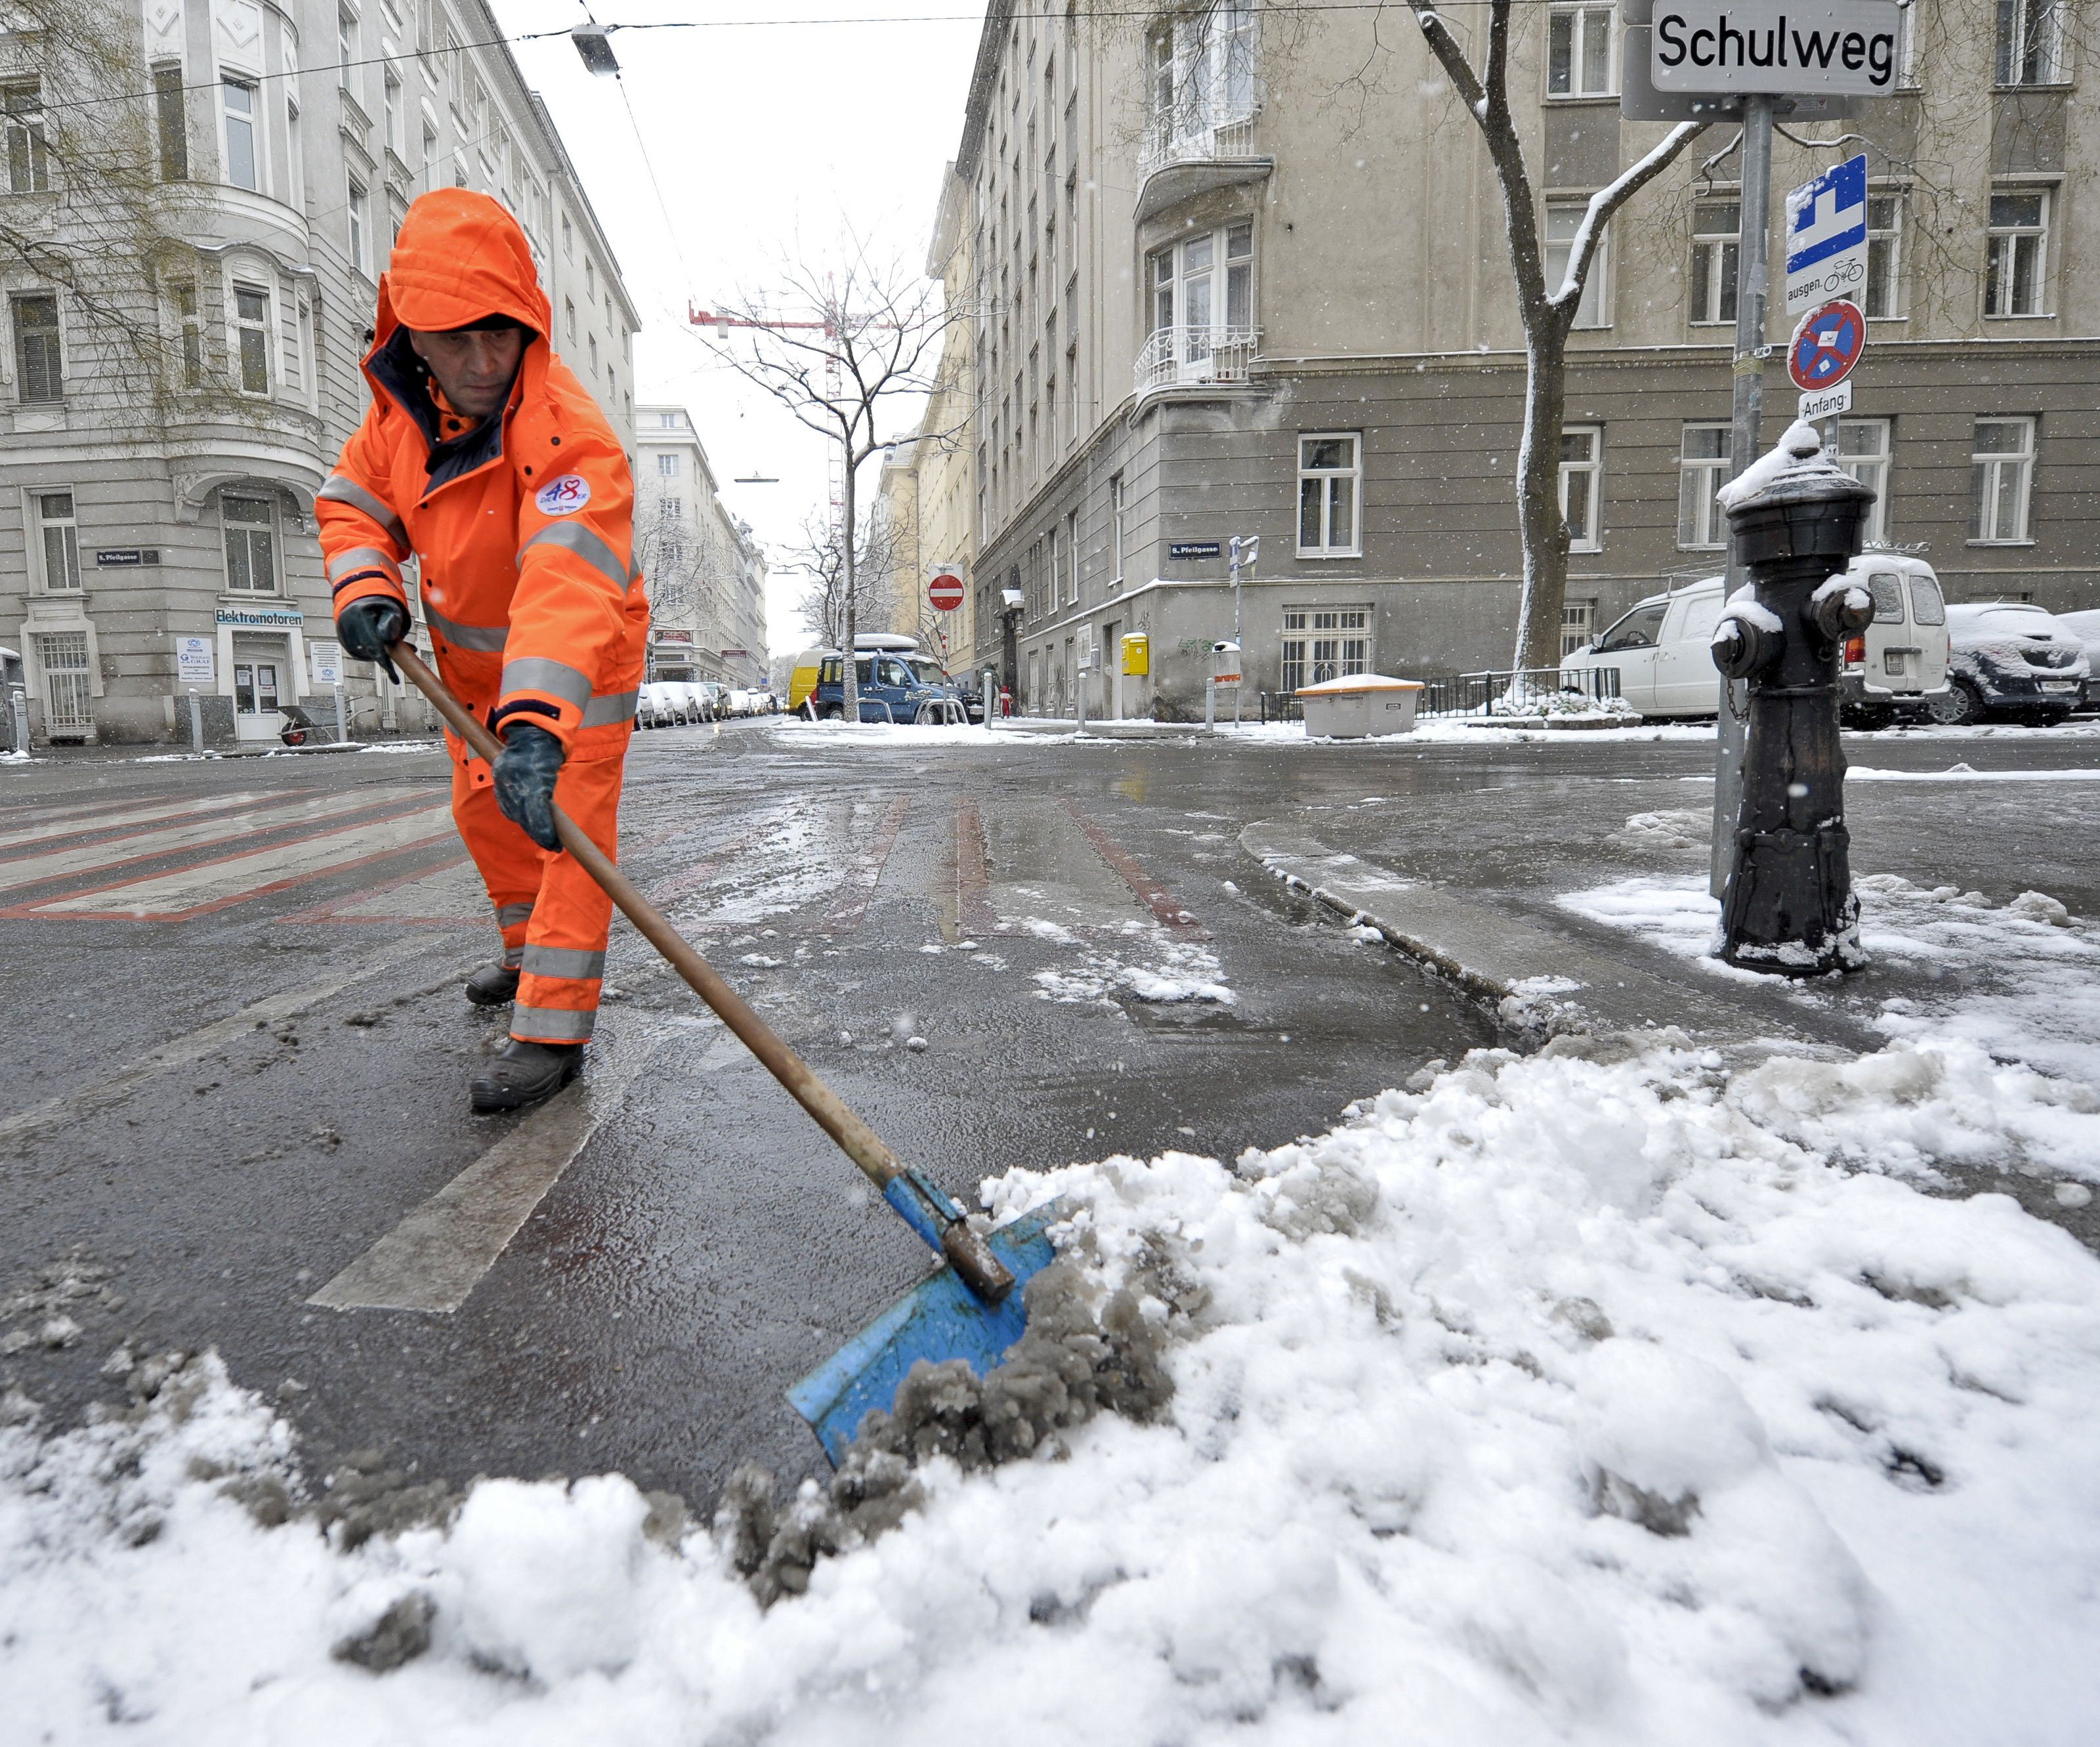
x: 1241, y: 271
x: 926, y: 496
x: 707, y: 576
x: 181, y: 365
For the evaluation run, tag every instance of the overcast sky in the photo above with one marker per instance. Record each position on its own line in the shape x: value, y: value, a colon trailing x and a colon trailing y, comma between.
x: 766, y: 137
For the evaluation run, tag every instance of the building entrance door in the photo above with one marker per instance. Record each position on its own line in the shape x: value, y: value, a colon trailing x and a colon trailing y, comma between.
x: 255, y: 700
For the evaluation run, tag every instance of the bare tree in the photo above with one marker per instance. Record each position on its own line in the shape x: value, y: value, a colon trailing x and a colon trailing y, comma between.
x: 829, y: 612
x: 850, y: 349
x: 1547, y: 313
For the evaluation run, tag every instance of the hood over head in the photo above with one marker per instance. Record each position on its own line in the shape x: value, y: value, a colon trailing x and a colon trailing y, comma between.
x: 461, y: 257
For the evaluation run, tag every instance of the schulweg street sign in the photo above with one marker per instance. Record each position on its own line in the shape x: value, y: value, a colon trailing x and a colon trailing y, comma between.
x: 1834, y: 47
x: 1826, y: 238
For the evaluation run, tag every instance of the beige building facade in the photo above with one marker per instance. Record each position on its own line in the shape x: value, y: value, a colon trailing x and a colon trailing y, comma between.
x: 706, y: 577
x: 1241, y: 271
x: 171, y: 401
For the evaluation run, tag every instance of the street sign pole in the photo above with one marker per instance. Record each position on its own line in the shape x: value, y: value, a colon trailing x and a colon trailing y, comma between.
x: 1752, y: 278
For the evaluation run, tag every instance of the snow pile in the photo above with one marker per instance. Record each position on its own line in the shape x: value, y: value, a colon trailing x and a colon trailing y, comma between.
x: 1523, y: 700
x: 1676, y: 828
x: 1180, y: 970
x: 2020, y: 981
x: 1565, y: 1399
x: 1795, y: 459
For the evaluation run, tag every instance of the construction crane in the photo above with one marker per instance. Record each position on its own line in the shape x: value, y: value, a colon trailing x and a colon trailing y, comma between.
x: 834, y: 389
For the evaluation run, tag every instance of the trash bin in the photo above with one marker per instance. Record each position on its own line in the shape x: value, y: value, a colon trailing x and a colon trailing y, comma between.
x: 1359, y: 705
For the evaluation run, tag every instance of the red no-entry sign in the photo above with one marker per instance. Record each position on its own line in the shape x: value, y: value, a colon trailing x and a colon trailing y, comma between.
x: 1826, y: 345
x: 946, y: 591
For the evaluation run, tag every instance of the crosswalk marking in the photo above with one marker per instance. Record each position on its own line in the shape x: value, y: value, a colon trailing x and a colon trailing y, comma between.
x: 80, y: 822
x: 213, y: 885
x: 80, y: 860
x: 450, y: 892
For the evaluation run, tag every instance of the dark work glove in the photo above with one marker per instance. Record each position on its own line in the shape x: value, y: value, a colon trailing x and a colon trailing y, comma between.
x: 525, y: 772
x: 370, y: 628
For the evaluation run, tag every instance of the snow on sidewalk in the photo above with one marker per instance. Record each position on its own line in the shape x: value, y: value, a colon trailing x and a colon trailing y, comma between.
x: 1573, y: 1399
x: 2021, y: 980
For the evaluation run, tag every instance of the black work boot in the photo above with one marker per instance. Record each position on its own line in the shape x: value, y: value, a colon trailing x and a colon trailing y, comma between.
x: 523, y: 1073
x: 493, y: 985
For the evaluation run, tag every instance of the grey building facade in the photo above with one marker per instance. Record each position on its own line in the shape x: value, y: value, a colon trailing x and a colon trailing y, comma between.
x: 707, y: 576
x: 182, y: 359
x: 1218, y: 295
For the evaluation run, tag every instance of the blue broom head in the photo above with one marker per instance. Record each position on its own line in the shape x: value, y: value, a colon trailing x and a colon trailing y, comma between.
x: 938, y: 1320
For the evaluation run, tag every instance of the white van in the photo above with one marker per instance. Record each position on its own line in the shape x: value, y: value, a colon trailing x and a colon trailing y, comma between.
x: 1663, y: 648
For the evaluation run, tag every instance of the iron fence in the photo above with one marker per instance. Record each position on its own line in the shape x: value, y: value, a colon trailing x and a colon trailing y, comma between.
x: 1520, y: 691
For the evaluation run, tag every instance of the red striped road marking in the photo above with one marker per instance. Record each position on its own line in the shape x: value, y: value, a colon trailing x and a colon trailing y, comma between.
x: 972, y: 873
x: 367, y: 905
x: 73, y: 861
x: 1154, y: 896
x: 160, y: 897
x: 70, y: 831
x: 856, y: 890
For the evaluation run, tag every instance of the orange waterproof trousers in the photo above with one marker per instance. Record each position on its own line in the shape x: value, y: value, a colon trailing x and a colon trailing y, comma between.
x: 555, y: 918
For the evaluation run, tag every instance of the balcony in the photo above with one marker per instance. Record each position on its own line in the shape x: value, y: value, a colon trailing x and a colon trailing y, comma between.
x: 1195, y: 357
x: 1198, y: 147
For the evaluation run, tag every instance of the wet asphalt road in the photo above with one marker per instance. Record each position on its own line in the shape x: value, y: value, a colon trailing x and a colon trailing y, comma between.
x: 289, y: 936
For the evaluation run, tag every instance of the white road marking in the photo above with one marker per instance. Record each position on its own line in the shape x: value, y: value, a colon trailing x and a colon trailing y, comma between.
x: 450, y: 894
x: 193, y: 1046
x: 59, y: 864
x: 211, y: 883
x: 79, y: 822
x: 442, y: 1250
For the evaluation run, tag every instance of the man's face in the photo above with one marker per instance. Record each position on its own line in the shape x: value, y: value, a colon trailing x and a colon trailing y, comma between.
x: 473, y: 368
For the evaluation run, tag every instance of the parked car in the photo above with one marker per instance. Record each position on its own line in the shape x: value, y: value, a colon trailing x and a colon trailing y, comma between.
x: 2086, y: 627
x: 2011, y: 658
x: 889, y: 689
x: 1663, y: 648
x: 698, y: 706
x: 659, y: 706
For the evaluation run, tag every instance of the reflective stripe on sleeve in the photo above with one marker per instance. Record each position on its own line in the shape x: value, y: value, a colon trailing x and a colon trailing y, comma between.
x: 573, y: 536
x: 364, y: 558
x: 552, y: 1024
x: 562, y: 961
x: 342, y: 489
x: 489, y: 638
x: 610, y: 706
x: 557, y: 679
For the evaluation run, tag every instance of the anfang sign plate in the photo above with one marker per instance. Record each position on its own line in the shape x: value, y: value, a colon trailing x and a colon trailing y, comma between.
x: 1832, y: 47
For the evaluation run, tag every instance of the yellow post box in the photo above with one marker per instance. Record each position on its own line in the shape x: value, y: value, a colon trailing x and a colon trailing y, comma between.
x: 1136, y: 652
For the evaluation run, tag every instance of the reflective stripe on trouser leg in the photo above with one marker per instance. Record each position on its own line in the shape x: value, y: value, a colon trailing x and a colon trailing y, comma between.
x: 508, y: 861
x: 558, y: 994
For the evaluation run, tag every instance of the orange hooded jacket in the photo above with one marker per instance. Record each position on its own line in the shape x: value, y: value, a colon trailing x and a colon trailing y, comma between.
x: 524, y: 525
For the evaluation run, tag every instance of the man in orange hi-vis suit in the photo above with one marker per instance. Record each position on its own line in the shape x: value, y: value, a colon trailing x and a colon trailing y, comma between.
x: 483, y: 457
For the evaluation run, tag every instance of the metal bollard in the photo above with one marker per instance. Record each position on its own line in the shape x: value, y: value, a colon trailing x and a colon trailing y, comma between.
x: 1788, y: 907
x: 342, y: 723
x: 1210, y: 704
x: 18, y: 707
x: 196, y: 722
x: 1080, y: 702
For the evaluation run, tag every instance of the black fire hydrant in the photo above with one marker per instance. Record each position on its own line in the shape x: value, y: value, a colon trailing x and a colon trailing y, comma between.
x: 1788, y: 907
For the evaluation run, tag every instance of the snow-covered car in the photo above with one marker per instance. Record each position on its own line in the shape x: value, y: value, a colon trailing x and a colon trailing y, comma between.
x: 692, y: 699
x: 2086, y: 627
x: 659, y: 706
x: 739, y: 701
x: 2014, y: 658
x: 1662, y: 649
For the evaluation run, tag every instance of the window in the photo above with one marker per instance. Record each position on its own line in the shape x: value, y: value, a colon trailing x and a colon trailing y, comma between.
x: 673, y: 507
x: 667, y: 465
x: 2000, y: 478
x: 1714, y: 224
x: 237, y: 98
x: 251, y: 561
x: 1050, y: 571
x: 1188, y: 300
x: 1330, y: 473
x: 189, y: 328
x: 1578, y: 51
x: 569, y: 315
x: 1581, y: 485
x: 431, y: 166
x: 2018, y: 255
x: 669, y: 422
x: 359, y: 224
x: 594, y: 355
x: 1072, y: 558
x: 1563, y: 220
x: 1637, y: 630
x: 1200, y: 71
x: 251, y: 328
x: 1863, y: 451
x: 39, y: 358
x: 296, y: 152
x: 345, y: 44
x: 59, y: 537
x: 1702, y: 470
x: 568, y: 239
x: 2030, y: 36
x: 391, y: 109
x: 1885, y: 217
x: 29, y: 160
x: 1578, y: 625
x: 590, y: 281
x: 1323, y: 643
x: 171, y: 122
x: 1115, y: 529
x: 68, y: 683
